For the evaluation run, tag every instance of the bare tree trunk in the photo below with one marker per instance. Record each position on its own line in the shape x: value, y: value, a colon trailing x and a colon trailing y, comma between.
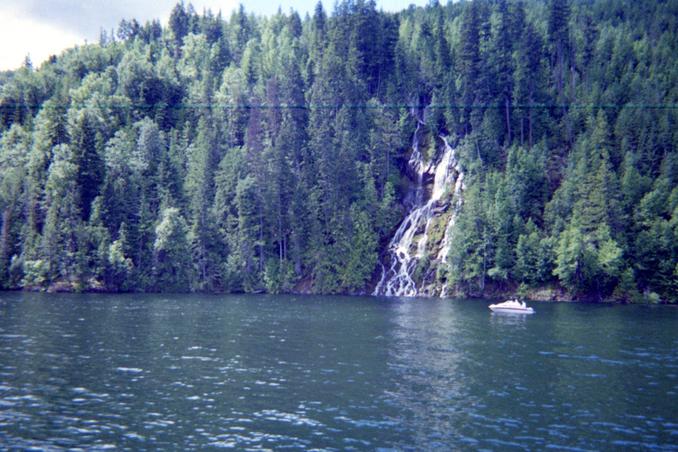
x: 4, y: 238
x: 261, y: 240
x: 529, y: 122
x: 508, y: 119
x: 482, y: 277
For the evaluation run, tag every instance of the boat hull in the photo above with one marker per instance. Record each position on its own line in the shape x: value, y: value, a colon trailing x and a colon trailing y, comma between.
x: 494, y: 308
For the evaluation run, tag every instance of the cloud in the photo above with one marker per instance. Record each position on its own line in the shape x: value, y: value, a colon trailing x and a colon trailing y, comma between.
x: 21, y: 36
x: 46, y: 27
x: 87, y: 17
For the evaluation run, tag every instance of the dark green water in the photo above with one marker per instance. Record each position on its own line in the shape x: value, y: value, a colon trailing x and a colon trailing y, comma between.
x: 178, y: 372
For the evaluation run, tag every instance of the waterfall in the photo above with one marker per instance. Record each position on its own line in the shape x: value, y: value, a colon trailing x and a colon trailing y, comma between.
x: 457, y: 201
x: 408, y: 245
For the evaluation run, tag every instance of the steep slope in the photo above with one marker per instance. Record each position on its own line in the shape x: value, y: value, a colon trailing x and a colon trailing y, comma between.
x: 475, y: 148
x: 417, y: 248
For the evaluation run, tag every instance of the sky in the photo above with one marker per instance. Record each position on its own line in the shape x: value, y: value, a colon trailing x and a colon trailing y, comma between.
x: 40, y: 28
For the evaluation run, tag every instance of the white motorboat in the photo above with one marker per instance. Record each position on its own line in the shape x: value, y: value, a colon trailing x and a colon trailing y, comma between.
x: 512, y: 306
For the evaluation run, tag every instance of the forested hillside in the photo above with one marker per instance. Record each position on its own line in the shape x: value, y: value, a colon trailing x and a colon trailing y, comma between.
x: 280, y: 153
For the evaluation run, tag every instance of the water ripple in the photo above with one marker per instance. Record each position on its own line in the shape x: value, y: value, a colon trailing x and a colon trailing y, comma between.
x: 194, y: 372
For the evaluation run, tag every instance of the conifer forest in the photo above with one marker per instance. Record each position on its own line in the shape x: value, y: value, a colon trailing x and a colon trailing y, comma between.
x: 474, y: 148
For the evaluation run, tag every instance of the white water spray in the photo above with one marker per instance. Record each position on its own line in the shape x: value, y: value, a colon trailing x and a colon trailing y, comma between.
x: 408, y: 245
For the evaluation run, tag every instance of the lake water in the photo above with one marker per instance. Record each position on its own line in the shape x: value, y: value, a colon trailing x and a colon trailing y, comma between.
x: 195, y: 371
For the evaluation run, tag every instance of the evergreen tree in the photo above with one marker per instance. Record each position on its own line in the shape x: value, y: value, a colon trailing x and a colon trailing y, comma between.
x: 86, y: 148
x: 362, y: 256
x: 179, y: 23
x: 275, y: 151
x: 469, y: 60
x: 59, y: 239
x: 533, y: 256
x: 502, y: 50
x: 171, y: 253
x: 559, y: 40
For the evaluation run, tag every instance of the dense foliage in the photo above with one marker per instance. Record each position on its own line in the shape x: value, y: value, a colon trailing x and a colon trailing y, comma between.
x: 269, y: 154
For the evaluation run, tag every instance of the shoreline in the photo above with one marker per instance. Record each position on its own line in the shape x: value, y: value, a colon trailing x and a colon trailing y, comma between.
x: 538, y: 295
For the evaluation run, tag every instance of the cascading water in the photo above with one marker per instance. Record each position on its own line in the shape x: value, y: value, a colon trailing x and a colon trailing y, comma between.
x: 407, y: 247
x: 457, y: 201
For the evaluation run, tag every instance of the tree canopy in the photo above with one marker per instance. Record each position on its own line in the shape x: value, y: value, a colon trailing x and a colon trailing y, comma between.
x: 271, y: 153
